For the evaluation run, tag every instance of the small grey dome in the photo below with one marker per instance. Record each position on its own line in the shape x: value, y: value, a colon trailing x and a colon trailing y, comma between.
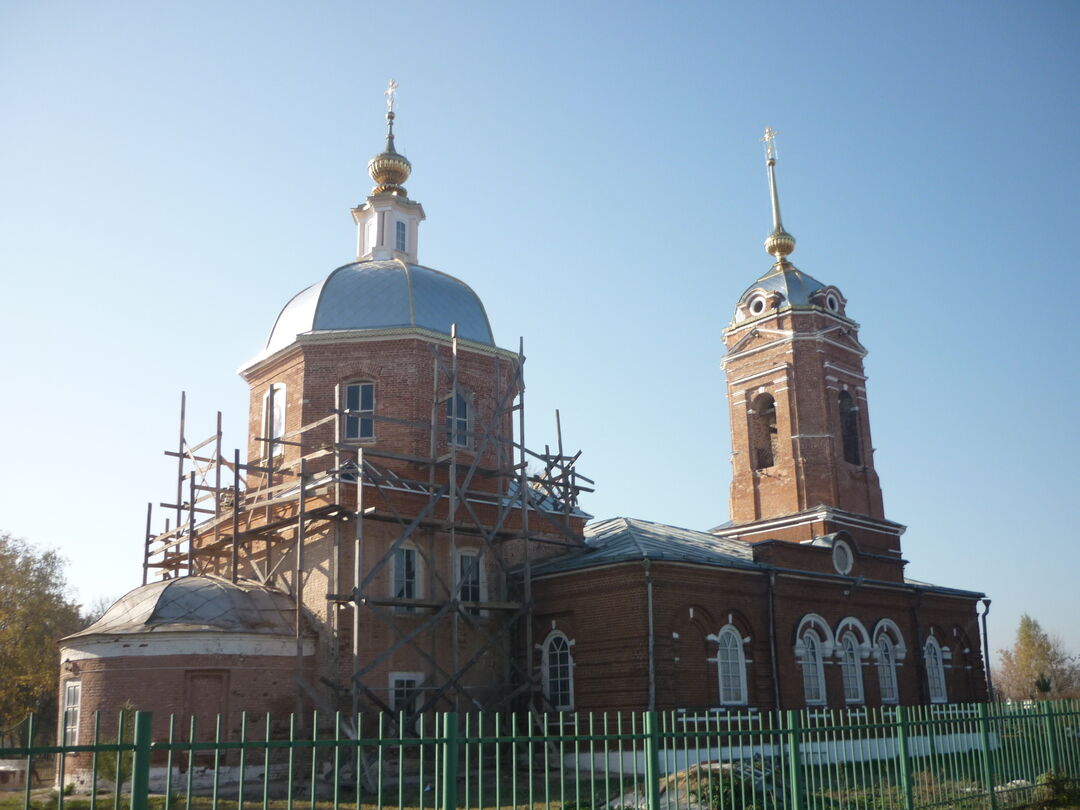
x: 383, y: 295
x: 785, y: 278
x: 198, y: 604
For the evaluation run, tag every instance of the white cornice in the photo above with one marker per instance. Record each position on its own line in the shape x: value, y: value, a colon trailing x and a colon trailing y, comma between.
x: 341, y: 336
x: 840, y: 320
x: 844, y: 370
x: 816, y: 337
x: 772, y: 370
x: 181, y: 643
x: 821, y: 513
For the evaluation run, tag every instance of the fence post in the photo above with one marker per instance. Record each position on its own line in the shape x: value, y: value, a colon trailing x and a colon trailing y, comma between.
x: 140, y: 764
x: 1051, y: 739
x: 450, y: 757
x: 30, y: 730
x: 905, y: 758
x: 987, y: 757
x: 652, y: 759
x: 794, y: 733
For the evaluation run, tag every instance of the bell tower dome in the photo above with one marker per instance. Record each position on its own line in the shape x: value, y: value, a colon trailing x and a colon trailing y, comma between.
x: 796, y: 390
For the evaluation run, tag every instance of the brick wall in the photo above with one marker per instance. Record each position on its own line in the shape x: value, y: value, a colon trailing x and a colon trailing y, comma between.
x: 804, y: 376
x: 604, y: 610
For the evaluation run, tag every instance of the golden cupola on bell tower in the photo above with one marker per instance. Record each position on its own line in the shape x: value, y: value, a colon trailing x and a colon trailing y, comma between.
x: 796, y: 391
x: 388, y: 222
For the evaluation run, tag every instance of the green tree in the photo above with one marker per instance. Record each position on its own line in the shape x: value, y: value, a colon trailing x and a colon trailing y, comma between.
x: 1036, y: 667
x: 34, y: 614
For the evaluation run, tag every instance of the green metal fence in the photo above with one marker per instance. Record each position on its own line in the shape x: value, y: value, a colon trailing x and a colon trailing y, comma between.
x: 964, y: 756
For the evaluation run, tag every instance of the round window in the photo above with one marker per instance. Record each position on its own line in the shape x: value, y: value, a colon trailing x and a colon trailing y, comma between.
x: 842, y: 557
x: 757, y: 305
x: 832, y: 302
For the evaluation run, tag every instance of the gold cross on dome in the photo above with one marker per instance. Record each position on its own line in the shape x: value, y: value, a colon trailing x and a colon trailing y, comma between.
x: 769, y: 139
x: 391, y: 95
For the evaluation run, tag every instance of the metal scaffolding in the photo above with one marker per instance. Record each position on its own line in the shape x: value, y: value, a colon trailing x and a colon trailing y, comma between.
x: 507, y: 503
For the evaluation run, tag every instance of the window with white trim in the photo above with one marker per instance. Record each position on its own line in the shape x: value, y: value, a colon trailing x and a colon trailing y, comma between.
x: 405, y: 691
x: 360, y: 403
x: 273, y: 420
x: 851, y: 668
x: 558, y: 672
x: 457, y: 420
x: 72, y: 701
x: 813, y: 671
x: 406, y: 575
x: 842, y: 557
x: 887, y: 670
x: 935, y: 671
x: 470, y: 579
x: 399, y: 233
x: 731, y: 667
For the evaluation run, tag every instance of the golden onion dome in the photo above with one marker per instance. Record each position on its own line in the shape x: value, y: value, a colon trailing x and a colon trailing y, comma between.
x: 388, y: 169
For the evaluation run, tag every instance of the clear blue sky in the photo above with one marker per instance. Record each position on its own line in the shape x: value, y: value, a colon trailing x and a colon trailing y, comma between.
x: 170, y: 174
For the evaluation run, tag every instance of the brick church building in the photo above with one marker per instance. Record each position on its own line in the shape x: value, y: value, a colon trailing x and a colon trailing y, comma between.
x: 392, y: 544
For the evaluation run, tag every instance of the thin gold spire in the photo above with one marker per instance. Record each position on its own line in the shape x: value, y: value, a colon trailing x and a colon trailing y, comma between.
x: 779, y: 243
x: 389, y: 169
x: 391, y: 98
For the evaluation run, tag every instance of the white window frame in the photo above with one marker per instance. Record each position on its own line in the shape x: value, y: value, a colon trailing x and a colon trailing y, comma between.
x: 823, y: 638
x: 545, y: 670
x: 401, y: 235
x: 394, y: 680
x: 361, y: 415
x: 886, y: 661
x: 418, y: 591
x: 851, y: 658
x: 851, y: 668
x: 274, y: 448
x: 457, y: 426
x: 730, y: 634
x: 72, y: 707
x: 934, y: 656
x: 481, y: 579
x: 813, y: 667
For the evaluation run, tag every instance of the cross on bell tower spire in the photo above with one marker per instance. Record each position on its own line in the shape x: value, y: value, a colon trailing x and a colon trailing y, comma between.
x: 779, y: 243
x: 388, y: 223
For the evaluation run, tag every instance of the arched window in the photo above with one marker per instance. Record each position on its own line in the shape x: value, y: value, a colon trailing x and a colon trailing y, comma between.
x: 558, y: 672
x: 849, y: 428
x: 935, y: 671
x: 763, y: 431
x: 851, y: 669
x: 887, y: 670
x: 731, y: 667
x: 813, y: 672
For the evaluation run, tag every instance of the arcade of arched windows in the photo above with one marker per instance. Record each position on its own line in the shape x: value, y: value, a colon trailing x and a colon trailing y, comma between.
x: 714, y: 665
x: 861, y: 655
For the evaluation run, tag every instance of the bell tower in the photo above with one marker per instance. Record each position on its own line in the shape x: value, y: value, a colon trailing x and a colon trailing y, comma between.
x: 796, y: 388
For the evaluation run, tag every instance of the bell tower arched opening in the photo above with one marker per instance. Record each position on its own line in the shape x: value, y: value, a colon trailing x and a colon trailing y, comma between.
x: 762, y: 429
x: 849, y: 428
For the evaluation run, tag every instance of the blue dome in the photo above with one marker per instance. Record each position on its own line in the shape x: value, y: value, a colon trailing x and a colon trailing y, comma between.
x: 382, y: 295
